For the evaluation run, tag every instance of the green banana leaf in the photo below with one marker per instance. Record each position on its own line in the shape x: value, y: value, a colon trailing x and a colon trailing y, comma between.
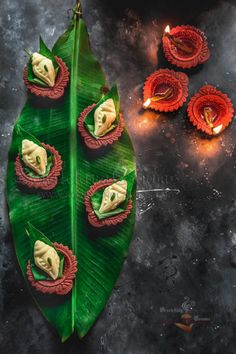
x: 61, y: 215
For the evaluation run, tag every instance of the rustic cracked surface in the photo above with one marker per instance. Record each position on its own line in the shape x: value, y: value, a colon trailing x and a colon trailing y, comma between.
x: 180, y: 259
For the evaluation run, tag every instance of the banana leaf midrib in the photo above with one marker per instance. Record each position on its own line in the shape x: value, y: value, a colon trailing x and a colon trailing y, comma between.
x: 73, y: 149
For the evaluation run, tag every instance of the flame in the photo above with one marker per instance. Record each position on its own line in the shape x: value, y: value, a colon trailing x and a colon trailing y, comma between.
x: 167, y: 29
x: 142, y: 122
x: 147, y: 103
x: 217, y: 130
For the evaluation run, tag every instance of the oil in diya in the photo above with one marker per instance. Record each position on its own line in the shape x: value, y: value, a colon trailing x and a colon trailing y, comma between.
x: 178, y: 42
x: 210, y: 110
x: 165, y: 90
x: 185, y: 46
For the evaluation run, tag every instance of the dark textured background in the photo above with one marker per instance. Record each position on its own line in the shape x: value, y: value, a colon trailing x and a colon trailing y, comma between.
x: 180, y: 256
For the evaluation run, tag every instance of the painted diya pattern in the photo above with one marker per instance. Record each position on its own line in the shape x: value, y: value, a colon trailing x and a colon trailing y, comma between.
x: 165, y: 90
x: 55, y: 92
x: 185, y: 46
x: 210, y: 110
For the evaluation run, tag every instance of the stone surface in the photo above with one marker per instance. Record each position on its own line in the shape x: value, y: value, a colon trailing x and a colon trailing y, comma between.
x: 179, y: 260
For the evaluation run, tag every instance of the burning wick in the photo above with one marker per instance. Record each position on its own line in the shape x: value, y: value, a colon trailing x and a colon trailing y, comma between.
x: 147, y: 103
x: 217, y: 129
x: 178, y: 43
x: 158, y: 97
x: 210, y: 118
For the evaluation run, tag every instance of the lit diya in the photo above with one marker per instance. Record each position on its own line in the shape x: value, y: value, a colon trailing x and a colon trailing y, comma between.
x: 165, y: 90
x: 185, y: 46
x: 210, y: 110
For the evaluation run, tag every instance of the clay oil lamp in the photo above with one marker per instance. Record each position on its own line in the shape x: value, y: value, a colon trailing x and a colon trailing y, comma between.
x: 165, y: 90
x: 185, y: 46
x: 210, y: 110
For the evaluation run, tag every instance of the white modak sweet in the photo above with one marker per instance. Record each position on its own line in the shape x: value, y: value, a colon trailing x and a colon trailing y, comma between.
x: 113, y: 196
x: 104, y: 116
x: 43, y: 68
x: 47, y: 259
x: 34, y: 156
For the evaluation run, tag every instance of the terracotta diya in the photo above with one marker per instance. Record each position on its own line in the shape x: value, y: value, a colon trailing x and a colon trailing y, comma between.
x: 185, y: 46
x: 210, y: 110
x: 165, y: 90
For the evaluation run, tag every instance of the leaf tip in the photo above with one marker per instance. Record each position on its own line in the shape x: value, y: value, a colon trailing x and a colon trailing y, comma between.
x: 28, y: 52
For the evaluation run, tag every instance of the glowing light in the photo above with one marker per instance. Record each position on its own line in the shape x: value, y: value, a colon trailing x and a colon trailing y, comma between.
x: 147, y: 103
x: 144, y: 123
x: 167, y: 29
x: 204, y: 148
x: 217, y: 130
